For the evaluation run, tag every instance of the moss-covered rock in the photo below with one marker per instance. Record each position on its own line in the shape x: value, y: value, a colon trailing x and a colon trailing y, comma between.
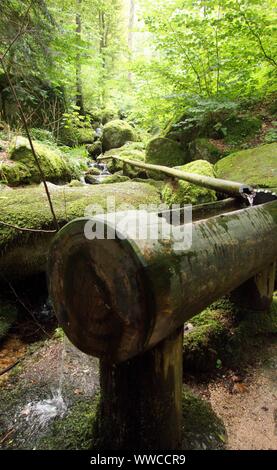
x: 182, y: 192
x: 116, y: 133
x: 115, y: 179
x: 167, y: 152
x: 203, y: 343
x: 24, y: 253
x: 85, y: 135
x: 203, y: 149
x: 95, y: 149
x: 75, y: 431
x: 14, y: 174
x: 8, y: 314
x: 131, y: 151
x: 224, y: 334
x: 109, y: 114
x: 257, y: 166
x: 202, y: 429
x: 93, y: 171
x: 75, y: 184
x: 74, y: 136
x: 22, y: 168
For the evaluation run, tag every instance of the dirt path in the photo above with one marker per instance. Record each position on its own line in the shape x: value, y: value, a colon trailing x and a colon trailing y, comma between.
x: 247, y: 403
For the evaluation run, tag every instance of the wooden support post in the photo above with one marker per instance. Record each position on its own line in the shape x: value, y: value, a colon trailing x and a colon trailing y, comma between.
x: 257, y: 292
x: 141, y: 399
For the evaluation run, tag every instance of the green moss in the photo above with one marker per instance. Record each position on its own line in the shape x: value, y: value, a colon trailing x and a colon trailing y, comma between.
x: 257, y: 166
x: 23, y: 169
x: 13, y: 173
x: 28, y: 207
x: 75, y: 184
x: 85, y: 135
x: 203, y: 149
x: 202, y: 345
x: 186, y: 193
x: 163, y: 151
x: 8, y: 314
x: 131, y: 151
x: 115, y: 179
x: 202, y: 429
x: 117, y: 133
x: 75, y: 430
x: 75, y: 136
x: 225, y: 333
x: 95, y: 149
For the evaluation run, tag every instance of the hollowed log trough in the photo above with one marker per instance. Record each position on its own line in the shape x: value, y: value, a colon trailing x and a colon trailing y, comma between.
x: 126, y: 300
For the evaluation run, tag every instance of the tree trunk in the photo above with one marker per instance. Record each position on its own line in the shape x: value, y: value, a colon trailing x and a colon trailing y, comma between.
x: 79, y: 88
x: 130, y: 32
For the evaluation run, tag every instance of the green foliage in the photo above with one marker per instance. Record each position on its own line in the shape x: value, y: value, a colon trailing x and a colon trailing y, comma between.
x: 219, y: 51
x: 271, y: 135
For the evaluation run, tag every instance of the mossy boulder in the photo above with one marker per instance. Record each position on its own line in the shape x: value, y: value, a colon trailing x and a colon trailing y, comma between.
x: 25, y: 253
x: 115, y: 179
x: 167, y: 152
x: 256, y: 166
x: 95, y: 149
x: 22, y: 168
x: 203, y: 149
x: 225, y: 335
x: 93, y: 171
x: 116, y: 133
x: 182, y: 192
x: 108, y: 115
x: 8, y: 314
x: 131, y: 151
x: 75, y: 184
x: 74, y: 136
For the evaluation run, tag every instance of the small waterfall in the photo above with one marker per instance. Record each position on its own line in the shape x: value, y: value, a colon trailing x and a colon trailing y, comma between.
x: 104, y: 172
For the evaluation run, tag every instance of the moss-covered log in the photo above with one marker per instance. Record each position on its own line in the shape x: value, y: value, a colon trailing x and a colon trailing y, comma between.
x: 24, y: 253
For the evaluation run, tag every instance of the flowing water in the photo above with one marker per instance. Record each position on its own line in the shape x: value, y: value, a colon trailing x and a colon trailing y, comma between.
x: 103, y: 169
x: 250, y: 198
x: 39, y: 413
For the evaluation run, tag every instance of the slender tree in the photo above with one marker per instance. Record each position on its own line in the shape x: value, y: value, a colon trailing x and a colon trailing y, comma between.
x: 79, y: 88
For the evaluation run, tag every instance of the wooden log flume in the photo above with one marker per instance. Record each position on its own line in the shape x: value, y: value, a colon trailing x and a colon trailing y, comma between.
x: 117, y: 298
x: 125, y: 301
x: 232, y: 188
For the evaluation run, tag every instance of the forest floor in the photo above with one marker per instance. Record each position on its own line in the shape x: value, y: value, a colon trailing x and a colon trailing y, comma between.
x: 246, y: 400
